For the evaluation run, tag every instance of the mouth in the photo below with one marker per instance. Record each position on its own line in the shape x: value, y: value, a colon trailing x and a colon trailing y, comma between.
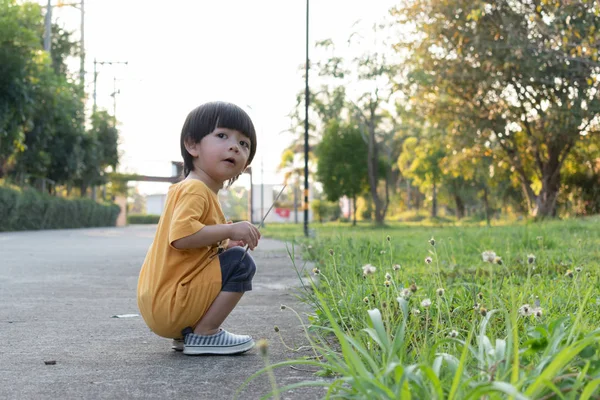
x: 230, y: 161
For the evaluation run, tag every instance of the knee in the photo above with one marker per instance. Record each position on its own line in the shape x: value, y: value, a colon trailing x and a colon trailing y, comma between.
x: 249, y: 266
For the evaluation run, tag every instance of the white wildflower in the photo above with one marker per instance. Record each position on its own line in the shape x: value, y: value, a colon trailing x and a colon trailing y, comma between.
x: 488, y: 256
x: 525, y: 310
x: 368, y: 269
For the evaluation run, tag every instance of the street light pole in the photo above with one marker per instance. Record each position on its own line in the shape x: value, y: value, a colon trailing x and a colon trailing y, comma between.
x: 306, y: 100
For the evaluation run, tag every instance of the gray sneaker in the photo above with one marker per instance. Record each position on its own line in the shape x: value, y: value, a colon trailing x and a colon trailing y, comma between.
x: 177, y: 344
x: 219, y: 343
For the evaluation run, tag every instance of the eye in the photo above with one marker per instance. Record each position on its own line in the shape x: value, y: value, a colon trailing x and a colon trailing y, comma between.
x: 244, y: 143
x: 221, y: 135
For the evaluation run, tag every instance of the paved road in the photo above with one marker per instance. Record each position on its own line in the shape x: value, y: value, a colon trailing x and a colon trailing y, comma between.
x: 59, y: 291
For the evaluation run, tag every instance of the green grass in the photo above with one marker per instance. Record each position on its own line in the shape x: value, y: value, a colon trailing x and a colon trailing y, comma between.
x: 471, y: 341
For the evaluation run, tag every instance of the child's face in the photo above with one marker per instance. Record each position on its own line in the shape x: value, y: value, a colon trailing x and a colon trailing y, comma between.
x: 222, y: 154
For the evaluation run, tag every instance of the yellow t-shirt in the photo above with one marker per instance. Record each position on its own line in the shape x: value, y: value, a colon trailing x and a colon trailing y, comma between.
x: 176, y: 287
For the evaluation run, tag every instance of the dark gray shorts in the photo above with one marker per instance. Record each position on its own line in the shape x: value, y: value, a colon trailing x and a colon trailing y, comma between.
x: 236, y: 275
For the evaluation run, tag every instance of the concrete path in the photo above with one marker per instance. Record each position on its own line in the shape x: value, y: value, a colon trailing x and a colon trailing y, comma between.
x: 60, y: 289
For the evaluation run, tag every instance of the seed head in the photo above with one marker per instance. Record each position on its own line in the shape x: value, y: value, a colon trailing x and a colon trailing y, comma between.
x: 488, y: 256
x: 276, y: 328
x: 569, y: 273
x: 405, y: 293
x: 426, y: 303
x: 415, y: 311
x: 388, y: 277
x: 530, y: 258
x: 383, y: 304
x: 480, y: 296
x: 413, y: 288
x: 283, y: 307
x: 428, y: 260
x: 498, y: 260
x: 525, y: 310
x: 440, y: 292
x: 388, y: 238
x: 578, y: 269
x: 316, y: 271
x: 432, y: 241
x: 396, y: 267
x: 368, y: 269
x: 331, y: 252
x: 263, y: 346
x: 366, y: 299
x: 483, y: 311
x: 537, y: 312
x: 453, y: 333
x: 387, y: 283
x: 476, y: 306
x: 382, y: 252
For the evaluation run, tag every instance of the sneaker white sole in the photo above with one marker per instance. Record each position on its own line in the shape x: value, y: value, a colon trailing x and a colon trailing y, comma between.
x: 177, y: 345
x: 222, y: 350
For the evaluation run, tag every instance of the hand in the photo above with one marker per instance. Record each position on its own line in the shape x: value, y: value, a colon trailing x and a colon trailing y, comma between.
x: 235, y: 243
x: 246, y: 232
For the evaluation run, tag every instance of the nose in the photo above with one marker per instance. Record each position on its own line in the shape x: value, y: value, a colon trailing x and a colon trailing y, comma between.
x: 235, y: 147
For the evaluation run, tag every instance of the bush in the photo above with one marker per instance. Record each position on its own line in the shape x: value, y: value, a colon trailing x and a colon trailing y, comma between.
x: 143, y: 219
x: 29, y: 209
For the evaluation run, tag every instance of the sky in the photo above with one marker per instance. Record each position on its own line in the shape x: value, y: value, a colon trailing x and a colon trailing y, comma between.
x: 182, y: 53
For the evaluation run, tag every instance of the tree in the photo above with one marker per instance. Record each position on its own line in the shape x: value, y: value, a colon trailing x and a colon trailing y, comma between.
x: 341, y: 166
x: 423, y: 158
x: 20, y: 64
x: 524, y: 72
x: 100, y: 151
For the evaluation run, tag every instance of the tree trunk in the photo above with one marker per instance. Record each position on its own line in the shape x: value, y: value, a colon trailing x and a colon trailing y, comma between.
x: 460, y: 206
x: 486, y: 205
x: 434, y: 202
x: 354, y: 211
x: 545, y: 203
x: 373, y: 166
x: 408, y: 207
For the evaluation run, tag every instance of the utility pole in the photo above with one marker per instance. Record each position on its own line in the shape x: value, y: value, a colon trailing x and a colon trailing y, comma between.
x: 48, y: 28
x: 82, y: 50
x: 114, y: 96
x: 96, y: 75
x: 306, y: 100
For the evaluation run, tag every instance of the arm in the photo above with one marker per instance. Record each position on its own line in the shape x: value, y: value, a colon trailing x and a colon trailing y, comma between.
x: 206, y: 236
x: 211, y: 234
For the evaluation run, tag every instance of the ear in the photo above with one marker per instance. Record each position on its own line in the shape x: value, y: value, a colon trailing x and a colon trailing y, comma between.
x: 191, y: 147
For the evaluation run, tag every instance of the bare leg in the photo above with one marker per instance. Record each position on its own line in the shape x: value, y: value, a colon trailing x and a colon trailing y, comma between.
x: 217, y: 312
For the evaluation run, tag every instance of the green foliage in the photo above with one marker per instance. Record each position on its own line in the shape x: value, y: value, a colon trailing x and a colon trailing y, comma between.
x: 42, y: 132
x: 28, y: 209
x: 376, y: 336
x: 526, y: 88
x: 142, y: 219
x: 325, y: 210
x: 342, y: 161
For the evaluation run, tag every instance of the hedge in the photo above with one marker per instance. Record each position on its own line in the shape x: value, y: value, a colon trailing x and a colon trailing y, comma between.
x: 29, y: 209
x: 143, y: 219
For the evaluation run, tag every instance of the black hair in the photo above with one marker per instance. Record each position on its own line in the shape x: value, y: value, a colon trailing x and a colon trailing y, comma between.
x: 209, y: 116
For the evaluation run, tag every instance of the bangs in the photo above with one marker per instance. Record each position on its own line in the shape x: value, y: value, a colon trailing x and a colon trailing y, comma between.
x: 233, y: 117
